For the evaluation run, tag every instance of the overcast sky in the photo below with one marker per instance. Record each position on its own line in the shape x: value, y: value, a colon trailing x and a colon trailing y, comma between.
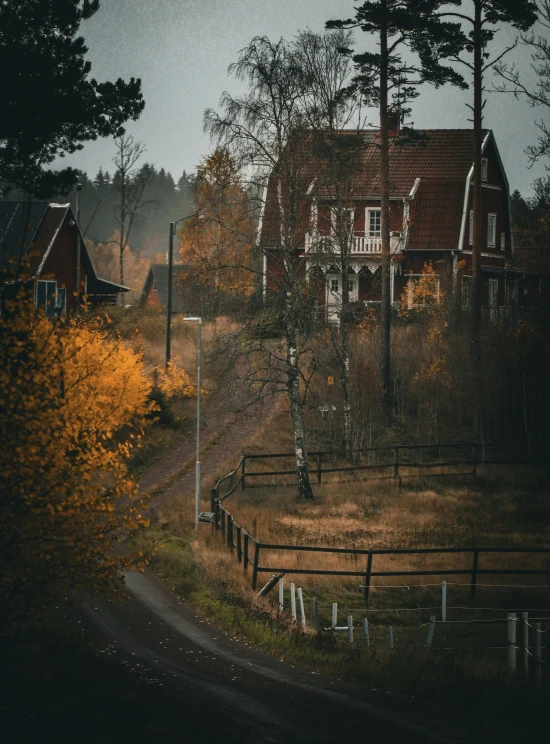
x: 181, y: 50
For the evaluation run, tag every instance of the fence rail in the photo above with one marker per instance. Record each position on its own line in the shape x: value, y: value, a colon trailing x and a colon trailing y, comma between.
x: 467, y: 454
x: 240, y: 540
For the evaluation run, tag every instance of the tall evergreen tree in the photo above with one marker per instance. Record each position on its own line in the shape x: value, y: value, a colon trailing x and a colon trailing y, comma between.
x: 399, y: 27
x: 49, y: 105
x: 482, y: 19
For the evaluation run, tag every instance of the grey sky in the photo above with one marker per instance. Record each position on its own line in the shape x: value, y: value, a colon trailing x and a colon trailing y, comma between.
x: 181, y: 50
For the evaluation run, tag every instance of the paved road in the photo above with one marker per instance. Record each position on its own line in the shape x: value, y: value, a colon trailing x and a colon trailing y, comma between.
x: 235, y: 694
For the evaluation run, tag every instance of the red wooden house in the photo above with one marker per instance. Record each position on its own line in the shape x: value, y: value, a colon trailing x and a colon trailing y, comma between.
x: 430, y: 221
x: 40, y: 243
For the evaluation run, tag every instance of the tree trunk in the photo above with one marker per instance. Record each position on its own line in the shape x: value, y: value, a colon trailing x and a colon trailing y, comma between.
x: 345, y: 249
x: 477, y: 213
x: 297, y: 415
x: 385, y: 310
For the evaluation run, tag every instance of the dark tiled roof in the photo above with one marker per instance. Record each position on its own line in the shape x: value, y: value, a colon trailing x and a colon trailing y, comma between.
x: 19, y: 223
x: 437, y: 154
x: 436, y: 214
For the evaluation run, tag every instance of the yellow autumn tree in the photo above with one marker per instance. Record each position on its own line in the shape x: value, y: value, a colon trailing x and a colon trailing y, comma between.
x: 218, y: 243
x: 423, y: 294
x: 73, y: 404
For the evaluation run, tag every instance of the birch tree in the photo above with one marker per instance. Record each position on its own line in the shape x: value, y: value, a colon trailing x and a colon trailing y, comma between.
x: 267, y: 131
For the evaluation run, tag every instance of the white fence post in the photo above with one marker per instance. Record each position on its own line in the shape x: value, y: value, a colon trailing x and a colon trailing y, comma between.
x: 334, y: 615
x: 366, y: 631
x: 390, y: 636
x: 350, y: 630
x: 444, y: 601
x: 281, y: 595
x: 431, y: 630
x: 512, y: 638
x: 302, y: 611
x: 293, y: 602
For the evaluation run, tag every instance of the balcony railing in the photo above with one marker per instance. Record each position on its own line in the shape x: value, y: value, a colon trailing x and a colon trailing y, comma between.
x: 360, y: 245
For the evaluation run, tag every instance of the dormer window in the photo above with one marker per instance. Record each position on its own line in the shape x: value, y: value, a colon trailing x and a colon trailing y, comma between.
x: 484, y: 168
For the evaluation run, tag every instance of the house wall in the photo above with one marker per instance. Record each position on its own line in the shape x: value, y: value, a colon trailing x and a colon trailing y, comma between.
x: 61, y: 263
x: 360, y: 206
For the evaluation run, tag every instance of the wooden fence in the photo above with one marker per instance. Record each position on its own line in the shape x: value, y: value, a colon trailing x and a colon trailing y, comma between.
x: 248, y: 549
x: 397, y: 462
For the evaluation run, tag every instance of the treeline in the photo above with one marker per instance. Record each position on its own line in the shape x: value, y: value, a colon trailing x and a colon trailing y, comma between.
x: 165, y: 200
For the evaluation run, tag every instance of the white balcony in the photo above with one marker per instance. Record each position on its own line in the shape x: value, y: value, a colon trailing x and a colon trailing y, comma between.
x: 360, y: 246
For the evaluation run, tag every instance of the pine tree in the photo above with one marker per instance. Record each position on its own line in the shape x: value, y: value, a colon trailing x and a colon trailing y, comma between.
x: 48, y: 103
x: 398, y: 26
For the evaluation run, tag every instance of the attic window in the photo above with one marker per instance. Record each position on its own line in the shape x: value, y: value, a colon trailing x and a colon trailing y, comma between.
x: 491, y: 231
x: 484, y: 168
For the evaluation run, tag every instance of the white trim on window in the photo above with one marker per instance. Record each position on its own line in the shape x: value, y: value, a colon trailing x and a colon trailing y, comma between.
x: 376, y: 231
x: 491, y: 230
x: 502, y: 241
x: 333, y: 215
x: 410, y: 288
x: 484, y: 168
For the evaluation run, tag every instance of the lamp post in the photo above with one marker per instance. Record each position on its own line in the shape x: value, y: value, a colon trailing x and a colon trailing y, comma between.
x: 198, y: 461
x: 170, y: 281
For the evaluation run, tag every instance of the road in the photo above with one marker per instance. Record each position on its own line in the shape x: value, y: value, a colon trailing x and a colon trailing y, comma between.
x: 231, y: 693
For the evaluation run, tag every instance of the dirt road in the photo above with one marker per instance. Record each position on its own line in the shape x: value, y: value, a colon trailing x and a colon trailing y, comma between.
x: 231, y: 693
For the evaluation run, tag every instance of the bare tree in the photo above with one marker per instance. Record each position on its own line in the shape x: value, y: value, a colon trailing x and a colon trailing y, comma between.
x: 131, y: 184
x: 267, y: 131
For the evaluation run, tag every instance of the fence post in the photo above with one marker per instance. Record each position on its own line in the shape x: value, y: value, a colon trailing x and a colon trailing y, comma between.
x: 213, y: 497
x: 230, y: 532
x: 525, y: 623
x: 512, y: 637
x: 473, y: 585
x: 319, y: 464
x: 390, y: 637
x: 316, y: 615
x: 245, y: 551
x: 367, y: 577
x: 431, y: 629
x: 293, y: 601
x: 239, y: 544
x: 538, y: 651
x: 396, y: 462
x: 444, y: 601
x: 217, y: 514
x: 334, y: 615
x: 474, y: 460
x: 281, y: 595
x: 255, y: 565
x: 302, y: 610
x: 350, y: 630
x: 366, y: 631
x: 243, y: 473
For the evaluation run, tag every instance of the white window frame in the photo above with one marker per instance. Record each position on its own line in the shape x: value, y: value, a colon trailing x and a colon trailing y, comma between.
x: 46, y: 282
x: 410, y: 287
x: 484, y: 169
x: 368, y: 234
x: 491, y: 235
x: 333, y: 214
x: 471, y: 227
x: 331, y: 288
x: 503, y: 241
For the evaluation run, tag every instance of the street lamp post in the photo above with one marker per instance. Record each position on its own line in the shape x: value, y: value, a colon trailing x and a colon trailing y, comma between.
x: 198, y: 460
x: 170, y: 282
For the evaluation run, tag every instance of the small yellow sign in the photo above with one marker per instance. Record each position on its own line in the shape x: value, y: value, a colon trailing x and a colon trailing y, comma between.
x: 330, y: 380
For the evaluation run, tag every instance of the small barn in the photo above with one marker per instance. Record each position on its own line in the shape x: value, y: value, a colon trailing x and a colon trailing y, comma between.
x: 41, y: 245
